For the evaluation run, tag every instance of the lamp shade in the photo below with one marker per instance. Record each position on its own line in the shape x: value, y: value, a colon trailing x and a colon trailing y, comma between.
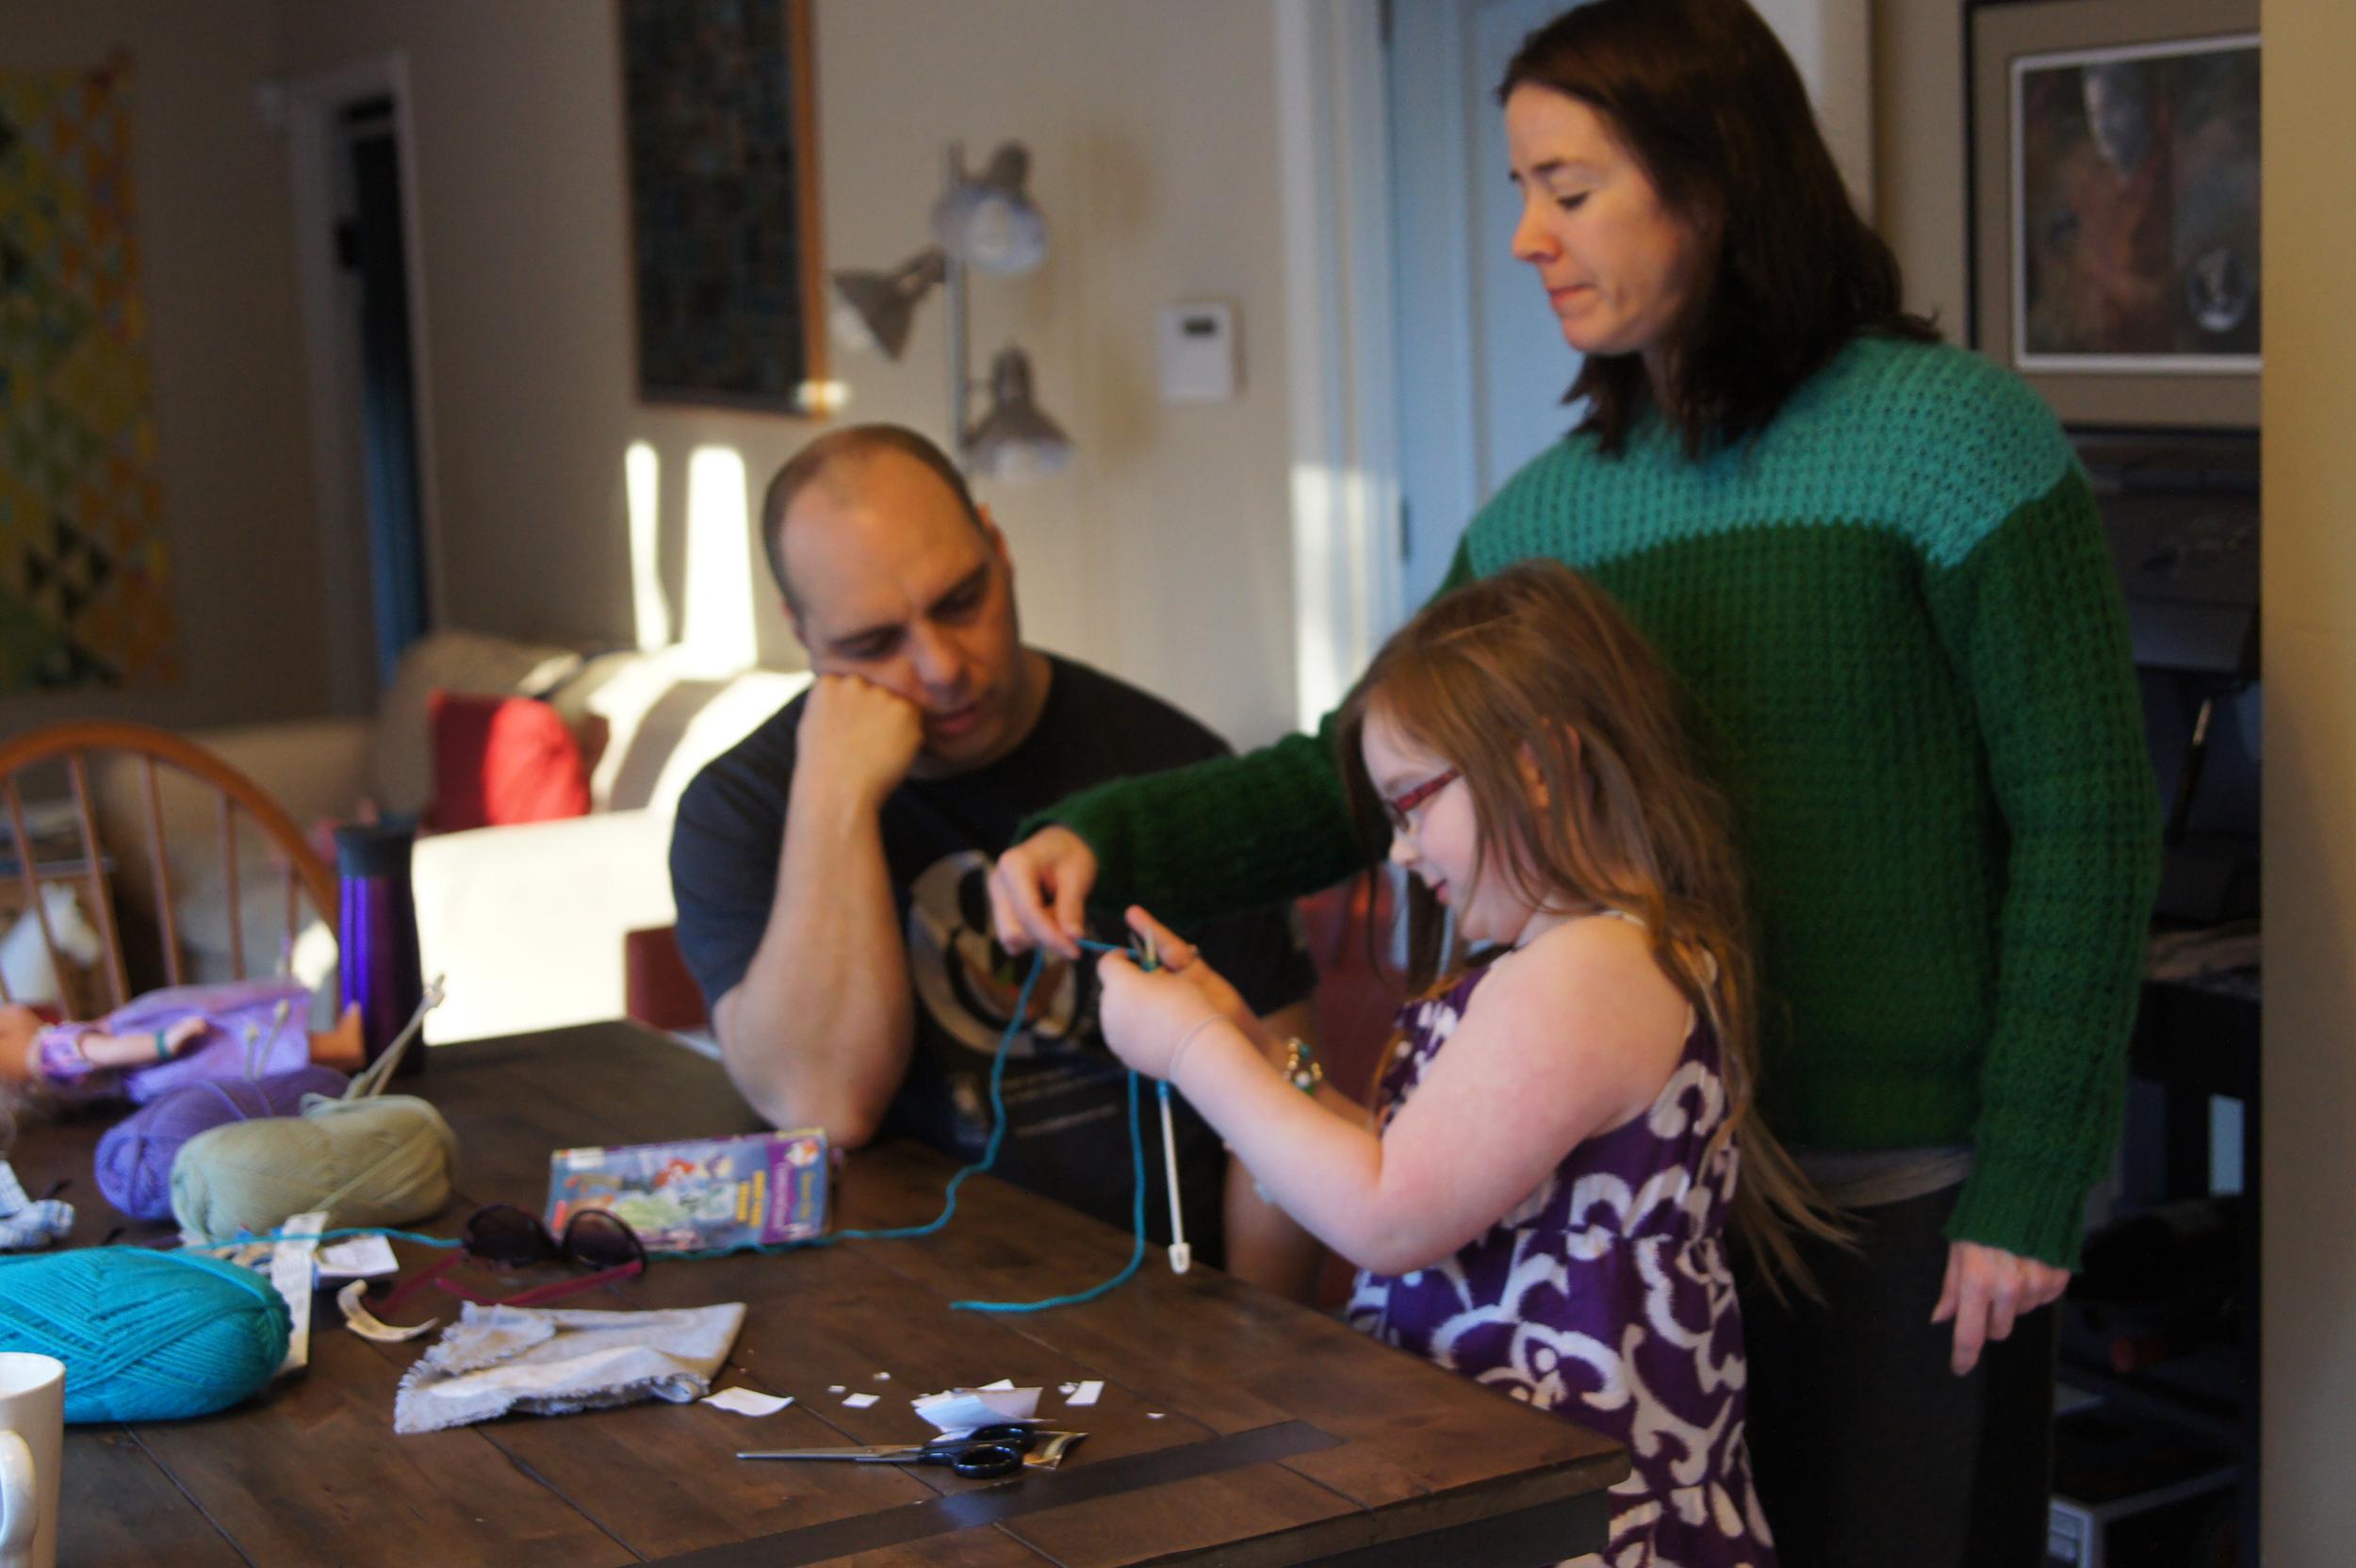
x: 987, y: 221
x: 873, y: 310
x: 1014, y: 439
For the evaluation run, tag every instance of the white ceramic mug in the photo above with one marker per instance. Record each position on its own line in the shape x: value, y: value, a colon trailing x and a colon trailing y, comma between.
x: 32, y: 1440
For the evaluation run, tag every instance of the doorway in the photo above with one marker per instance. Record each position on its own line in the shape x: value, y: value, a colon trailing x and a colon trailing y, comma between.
x: 357, y: 261
x: 1482, y: 364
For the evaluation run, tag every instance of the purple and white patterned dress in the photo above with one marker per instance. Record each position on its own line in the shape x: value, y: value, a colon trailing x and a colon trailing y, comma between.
x: 1605, y: 1296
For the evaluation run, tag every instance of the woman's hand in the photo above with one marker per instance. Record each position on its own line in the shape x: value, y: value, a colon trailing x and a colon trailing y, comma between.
x: 1986, y: 1289
x: 1038, y: 892
x: 1149, y: 1017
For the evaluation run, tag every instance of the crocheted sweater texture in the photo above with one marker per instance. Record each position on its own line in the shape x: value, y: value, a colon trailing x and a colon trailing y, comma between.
x: 1896, y: 618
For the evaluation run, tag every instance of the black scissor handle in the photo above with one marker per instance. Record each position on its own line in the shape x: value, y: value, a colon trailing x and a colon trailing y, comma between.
x: 976, y: 1460
x: 1010, y: 1434
x: 984, y: 1452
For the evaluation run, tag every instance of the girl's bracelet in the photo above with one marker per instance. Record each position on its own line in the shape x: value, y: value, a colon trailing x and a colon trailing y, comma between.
x: 1186, y: 1039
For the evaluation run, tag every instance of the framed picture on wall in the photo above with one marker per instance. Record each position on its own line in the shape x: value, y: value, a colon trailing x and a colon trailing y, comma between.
x: 2115, y: 207
x: 724, y: 203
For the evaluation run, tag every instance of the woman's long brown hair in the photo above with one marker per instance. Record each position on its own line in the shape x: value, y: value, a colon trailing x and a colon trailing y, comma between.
x: 1703, y: 96
x: 1537, y: 667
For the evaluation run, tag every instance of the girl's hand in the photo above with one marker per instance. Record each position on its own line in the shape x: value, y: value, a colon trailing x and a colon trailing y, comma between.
x: 1148, y: 1016
x: 1178, y: 955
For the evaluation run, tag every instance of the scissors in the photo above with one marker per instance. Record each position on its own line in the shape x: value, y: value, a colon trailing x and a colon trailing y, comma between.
x: 980, y: 1454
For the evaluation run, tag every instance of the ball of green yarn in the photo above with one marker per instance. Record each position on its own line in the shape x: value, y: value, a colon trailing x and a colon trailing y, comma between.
x: 385, y: 1160
x: 146, y: 1337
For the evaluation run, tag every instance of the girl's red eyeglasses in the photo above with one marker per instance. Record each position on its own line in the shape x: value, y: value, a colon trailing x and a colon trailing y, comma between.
x: 508, y: 1237
x: 1397, y: 806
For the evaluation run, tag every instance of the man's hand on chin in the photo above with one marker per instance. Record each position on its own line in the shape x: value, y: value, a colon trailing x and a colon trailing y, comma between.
x: 856, y: 736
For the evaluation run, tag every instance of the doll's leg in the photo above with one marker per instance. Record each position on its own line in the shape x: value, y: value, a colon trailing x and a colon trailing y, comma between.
x: 341, y: 1047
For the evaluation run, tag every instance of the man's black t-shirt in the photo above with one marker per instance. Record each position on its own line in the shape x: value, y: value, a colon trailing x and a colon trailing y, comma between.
x: 1067, y: 1134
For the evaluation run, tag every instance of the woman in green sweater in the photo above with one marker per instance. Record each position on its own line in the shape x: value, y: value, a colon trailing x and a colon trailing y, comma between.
x: 1875, y: 565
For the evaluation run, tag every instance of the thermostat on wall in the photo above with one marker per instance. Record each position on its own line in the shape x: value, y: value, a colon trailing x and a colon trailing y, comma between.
x: 1198, y: 353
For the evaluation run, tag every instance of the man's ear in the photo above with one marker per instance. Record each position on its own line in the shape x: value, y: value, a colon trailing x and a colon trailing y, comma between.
x: 997, y: 537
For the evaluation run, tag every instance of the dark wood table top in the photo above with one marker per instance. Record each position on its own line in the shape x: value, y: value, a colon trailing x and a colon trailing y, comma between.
x: 1234, y: 1427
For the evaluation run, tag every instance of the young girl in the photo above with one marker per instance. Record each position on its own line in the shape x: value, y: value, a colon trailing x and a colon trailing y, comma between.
x: 1540, y: 1205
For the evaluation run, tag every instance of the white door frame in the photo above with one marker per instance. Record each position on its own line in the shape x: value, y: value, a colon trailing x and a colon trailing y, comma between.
x: 307, y: 109
x: 1334, y: 182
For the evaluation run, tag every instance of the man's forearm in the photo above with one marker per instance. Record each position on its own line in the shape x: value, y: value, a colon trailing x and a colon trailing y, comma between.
x: 818, y: 1031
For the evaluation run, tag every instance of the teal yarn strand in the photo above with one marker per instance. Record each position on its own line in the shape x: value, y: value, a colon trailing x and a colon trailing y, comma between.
x: 997, y: 1124
x: 990, y: 1158
x: 144, y: 1335
x: 1136, y: 1253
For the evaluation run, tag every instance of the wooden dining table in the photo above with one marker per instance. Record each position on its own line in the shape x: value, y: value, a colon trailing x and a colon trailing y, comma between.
x: 1234, y: 1427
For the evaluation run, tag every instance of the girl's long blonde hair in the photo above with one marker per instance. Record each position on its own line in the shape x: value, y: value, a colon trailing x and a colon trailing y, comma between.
x: 1535, y: 668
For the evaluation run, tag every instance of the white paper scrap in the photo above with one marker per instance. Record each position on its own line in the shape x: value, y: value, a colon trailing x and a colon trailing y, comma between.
x: 857, y: 1401
x: 883, y: 1376
x: 836, y: 1388
x: 744, y: 1401
x: 290, y: 1266
x: 961, y: 1410
x: 1087, y: 1394
x: 362, y: 1258
x: 365, y: 1323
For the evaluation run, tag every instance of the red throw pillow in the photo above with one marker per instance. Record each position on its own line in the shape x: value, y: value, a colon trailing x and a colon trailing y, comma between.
x: 500, y: 760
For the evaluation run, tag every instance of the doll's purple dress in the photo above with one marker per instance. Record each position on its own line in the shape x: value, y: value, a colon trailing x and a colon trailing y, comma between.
x: 1605, y: 1296
x: 251, y: 1028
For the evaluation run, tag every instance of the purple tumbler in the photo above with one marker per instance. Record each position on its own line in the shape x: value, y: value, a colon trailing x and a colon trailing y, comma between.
x: 378, y: 933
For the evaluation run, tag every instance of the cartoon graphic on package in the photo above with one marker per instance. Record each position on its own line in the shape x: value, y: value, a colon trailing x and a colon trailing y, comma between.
x: 761, y: 1190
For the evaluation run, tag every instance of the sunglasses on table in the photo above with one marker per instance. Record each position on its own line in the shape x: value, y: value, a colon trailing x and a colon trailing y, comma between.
x: 505, y: 1237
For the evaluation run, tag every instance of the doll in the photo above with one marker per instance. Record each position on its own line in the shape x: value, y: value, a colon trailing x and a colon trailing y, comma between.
x: 239, y: 1028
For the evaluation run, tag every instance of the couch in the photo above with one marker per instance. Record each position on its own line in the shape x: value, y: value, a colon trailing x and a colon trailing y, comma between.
x: 525, y: 922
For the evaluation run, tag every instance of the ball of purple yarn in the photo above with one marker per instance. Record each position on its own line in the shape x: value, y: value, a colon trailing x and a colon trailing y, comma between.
x: 135, y: 1156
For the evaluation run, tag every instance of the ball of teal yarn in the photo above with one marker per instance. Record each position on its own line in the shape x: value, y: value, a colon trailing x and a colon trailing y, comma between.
x: 146, y: 1337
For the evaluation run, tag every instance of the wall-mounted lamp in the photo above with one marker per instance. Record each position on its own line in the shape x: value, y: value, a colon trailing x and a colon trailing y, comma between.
x: 987, y: 223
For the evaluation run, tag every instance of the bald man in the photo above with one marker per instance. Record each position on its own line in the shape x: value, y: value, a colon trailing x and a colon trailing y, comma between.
x: 831, y: 870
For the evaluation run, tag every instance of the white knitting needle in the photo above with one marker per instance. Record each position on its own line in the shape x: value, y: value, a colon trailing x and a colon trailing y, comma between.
x: 1181, y: 1255
x: 372, y: 1078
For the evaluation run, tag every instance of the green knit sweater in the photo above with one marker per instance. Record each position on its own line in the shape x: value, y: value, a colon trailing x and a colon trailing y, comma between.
x: 1896, y: 618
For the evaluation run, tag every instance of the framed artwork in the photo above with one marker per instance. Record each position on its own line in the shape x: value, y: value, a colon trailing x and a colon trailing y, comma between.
x: 724, y: 203
x: 2115, y: 207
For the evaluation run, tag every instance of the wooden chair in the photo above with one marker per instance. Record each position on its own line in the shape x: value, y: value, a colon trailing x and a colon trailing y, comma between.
x: 305, y: 875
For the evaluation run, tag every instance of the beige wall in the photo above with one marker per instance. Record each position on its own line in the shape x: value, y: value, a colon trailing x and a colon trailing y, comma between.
x: 1918, y: 190
x: 2310, y: 594
x: 209, y: 188
x: 1163, y: 554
